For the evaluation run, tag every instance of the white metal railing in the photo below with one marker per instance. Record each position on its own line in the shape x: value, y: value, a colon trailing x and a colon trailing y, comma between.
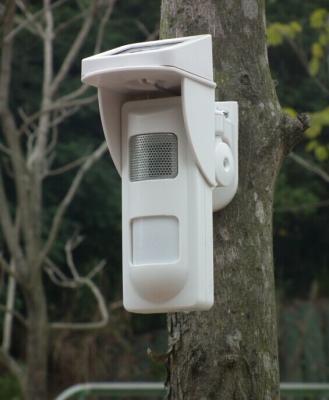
x: 300, y: 389
x: 119, y: 389
x: 152, y: 389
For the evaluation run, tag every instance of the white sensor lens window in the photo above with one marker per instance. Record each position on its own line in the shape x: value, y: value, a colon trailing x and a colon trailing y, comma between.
x: 155, y: 240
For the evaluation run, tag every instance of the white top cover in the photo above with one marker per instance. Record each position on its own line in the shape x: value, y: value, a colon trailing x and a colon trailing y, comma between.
x: 192, y: 55
x: 163, y: 68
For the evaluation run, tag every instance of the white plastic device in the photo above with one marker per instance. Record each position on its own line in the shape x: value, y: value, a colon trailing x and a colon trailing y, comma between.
x: 177, y: 153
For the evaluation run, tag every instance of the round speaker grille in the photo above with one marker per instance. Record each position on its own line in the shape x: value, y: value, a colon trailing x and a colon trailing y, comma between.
x: 153, y: 156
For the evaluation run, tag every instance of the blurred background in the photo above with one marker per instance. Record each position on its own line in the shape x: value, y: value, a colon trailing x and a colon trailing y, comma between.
x: 298, y: 39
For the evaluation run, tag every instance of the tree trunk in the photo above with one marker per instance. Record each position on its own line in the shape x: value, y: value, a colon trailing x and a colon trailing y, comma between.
x: 231, y: 352
x: 37, y: 341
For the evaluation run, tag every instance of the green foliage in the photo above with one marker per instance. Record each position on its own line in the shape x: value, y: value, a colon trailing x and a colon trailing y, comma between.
x: 278, y: 32
x: 9, y: 388
x: 319, y: 18
x: 319, y: 22
x: 300, y: 243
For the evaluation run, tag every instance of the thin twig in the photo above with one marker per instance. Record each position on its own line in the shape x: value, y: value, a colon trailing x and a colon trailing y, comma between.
x: 67, y: 167
x: 64, y: 114
x: 5, y: 266
x: 5, y: 149
x: 53, y: 141
x: 304, y: 62
x: 70, y: 245
x: 310, y: 166
x: 95, y: 156
x: 303, y: 207
x: 8, y: 229
x: 102, y: 26
x: 29, y: 18
x: 75, y: 47
x: 75, y: 282
x: 73, y: 95
x: 64, y: 25
x: 58, y: 105
x: 87, y: 325
x: 15, y: 313
x: 99, y: 267
x: 34, y: 16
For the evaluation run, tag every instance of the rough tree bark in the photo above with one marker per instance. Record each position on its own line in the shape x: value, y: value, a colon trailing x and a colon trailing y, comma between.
x: 230, y: 352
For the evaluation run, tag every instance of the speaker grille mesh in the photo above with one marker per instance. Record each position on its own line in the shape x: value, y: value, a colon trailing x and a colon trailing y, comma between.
x: 153, y: 156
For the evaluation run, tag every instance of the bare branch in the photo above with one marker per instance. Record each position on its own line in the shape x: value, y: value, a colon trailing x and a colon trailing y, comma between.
x: 303, y: 207
x: 5, y: 149
x: 64, y: 25
x: 58, y: 105
x: 10, y: 131
x: 67, y: 167
x: 95, y: 156
x: 48, y: 49
x: 55, y: 274
x: 153, y: 35
x: 36, y: 159
x: 6, y: 54
x: 293, y: 129
x: 87, y: 325
x: 73, y: 95
x: 116, y: 305
x: 15, y: 314
x: 30, y: 131
x: 63, y: 115
x: 148, y: 35
x: 8, y: 227
x: 142, y: 27
x: 76, y: 46
x: 99, y: 267
x: 5, y: 266
x: 9, y: 311
x: 53, y: 140
x: 29, y: 18
x: 7, y: 168
x: 310, y: 166
x: 12, y: 365
x: 32, y: 18
x: 102, y: 26
x: 70, y: 245
x: 304, y: 62
x: 76, y: 282
x: 11, y: 134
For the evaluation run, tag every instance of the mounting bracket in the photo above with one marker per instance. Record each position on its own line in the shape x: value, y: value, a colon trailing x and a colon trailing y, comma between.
x: 226, y: 151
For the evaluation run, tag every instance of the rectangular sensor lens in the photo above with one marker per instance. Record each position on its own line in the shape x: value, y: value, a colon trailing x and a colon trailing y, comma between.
x: 153, y: 156
x: 154, y: 240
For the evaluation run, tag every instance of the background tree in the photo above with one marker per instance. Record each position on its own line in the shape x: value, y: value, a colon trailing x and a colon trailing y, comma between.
x: 29, y: 152
x: 230, y: 352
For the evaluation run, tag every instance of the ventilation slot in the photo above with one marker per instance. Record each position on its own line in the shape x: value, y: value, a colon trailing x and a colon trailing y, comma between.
x: 153, y: 156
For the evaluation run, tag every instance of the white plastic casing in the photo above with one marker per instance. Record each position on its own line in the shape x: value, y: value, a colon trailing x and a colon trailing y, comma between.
x: 167, y: 87
x: 166, y: 223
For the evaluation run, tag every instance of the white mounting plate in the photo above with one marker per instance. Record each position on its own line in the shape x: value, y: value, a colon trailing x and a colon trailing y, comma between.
x: 229, y: 132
